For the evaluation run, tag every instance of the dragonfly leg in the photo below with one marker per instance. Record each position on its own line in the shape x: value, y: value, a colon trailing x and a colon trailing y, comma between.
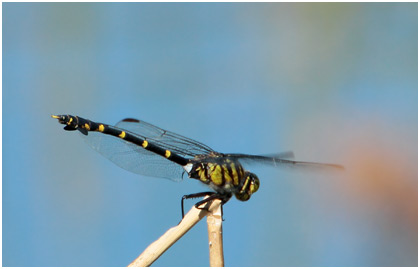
x: 212, y: 195
x: 223, y: 197
x: 194, y: 195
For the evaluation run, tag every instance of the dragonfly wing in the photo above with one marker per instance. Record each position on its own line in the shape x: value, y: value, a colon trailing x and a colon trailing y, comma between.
x: 134, y: 158
x: 288, y: 155
x: 273, y: 160
x: 181, y: 145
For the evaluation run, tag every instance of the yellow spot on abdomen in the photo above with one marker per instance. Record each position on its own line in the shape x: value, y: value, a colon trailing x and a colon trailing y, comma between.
x: 101, y: 128
x: 167, y: 154
x: 122, y: 134
x: 144, y: 144
x: 87, y: 126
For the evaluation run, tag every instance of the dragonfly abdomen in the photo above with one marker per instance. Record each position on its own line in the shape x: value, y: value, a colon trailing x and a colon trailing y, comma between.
x: 85, y: 126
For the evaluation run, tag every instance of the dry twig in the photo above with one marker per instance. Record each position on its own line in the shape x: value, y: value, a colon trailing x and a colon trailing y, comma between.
x: 214, y: 227
x: 157, y: 248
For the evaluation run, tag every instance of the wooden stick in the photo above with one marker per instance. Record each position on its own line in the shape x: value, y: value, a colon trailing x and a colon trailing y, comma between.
x: 157, y: 248
x: 214, y: 227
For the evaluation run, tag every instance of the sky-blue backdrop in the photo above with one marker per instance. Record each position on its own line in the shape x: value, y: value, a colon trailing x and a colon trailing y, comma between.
x: 332, y: 82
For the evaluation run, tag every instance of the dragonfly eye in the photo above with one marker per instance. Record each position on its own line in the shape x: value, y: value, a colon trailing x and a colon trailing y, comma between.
x: 243, y: 196
x: 254, y: 183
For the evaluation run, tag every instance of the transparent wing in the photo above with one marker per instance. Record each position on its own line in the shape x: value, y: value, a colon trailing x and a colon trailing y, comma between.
x: 280, y: 160
x: 176, y: 143
x: 134, y: 158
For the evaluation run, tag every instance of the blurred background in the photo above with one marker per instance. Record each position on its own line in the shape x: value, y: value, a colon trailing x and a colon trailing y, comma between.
x: 332, y: 82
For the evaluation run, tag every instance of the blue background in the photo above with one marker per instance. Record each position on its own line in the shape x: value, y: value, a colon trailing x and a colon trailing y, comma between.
x: 332, y: 82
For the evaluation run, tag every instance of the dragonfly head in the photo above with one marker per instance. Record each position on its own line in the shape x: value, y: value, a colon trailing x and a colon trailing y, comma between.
x: 251, y: 185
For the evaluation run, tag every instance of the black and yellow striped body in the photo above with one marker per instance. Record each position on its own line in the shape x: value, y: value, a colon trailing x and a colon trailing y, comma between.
x: 225, y: 176
x: 85, y: 126
x: 146, y: 149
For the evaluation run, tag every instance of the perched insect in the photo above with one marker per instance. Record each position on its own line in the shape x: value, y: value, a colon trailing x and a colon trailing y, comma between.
x: 145, y: 149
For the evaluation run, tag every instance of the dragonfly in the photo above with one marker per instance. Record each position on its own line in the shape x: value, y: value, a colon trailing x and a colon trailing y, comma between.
x: 145, y: 149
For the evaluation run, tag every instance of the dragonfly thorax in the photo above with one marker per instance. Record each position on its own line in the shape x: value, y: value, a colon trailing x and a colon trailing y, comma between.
x: 224, y: 175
